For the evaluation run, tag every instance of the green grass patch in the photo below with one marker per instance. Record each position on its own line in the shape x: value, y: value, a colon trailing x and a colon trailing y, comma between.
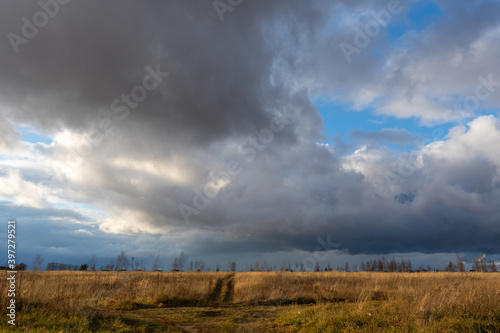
x: 379, y: 317
x: 86, y: 320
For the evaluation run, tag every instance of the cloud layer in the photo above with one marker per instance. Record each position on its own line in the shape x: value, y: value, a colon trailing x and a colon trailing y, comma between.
x: 174, y: 122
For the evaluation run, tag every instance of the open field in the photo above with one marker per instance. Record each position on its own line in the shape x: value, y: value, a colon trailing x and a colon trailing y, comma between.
x: 254, y: 302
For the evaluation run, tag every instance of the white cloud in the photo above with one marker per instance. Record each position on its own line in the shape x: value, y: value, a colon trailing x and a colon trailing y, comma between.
x: 23, y: 193
x: 84, y: 232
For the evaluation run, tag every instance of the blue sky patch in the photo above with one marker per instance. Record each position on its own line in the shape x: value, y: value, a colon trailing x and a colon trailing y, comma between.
x: 30, y: 135
x: 341, y: 120
x: 421, y: 15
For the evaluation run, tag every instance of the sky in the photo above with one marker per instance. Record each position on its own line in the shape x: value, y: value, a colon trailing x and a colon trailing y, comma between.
x: 285, y: 130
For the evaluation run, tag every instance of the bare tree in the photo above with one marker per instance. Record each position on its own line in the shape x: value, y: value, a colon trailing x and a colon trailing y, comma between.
x: 181, y: 261
x: 392, y: 266
x: 381, y: 265
x: 122, y: 262
x: 450, y: 267
x: 93, y: 262
x: 492, y: 267
x: 199, y: 265
x: 110, y: 266
x: 37, y: 262
x: 175, y: 264
x: 156, y: 263
x: 138, y: 264
x: 460, y: 264
x: 265, y: 266
x: 479, y: 264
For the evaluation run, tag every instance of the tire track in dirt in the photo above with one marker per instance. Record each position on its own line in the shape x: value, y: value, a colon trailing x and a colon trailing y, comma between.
x: 223, y: 290
x: 229, y: 292
x: 216, y: 292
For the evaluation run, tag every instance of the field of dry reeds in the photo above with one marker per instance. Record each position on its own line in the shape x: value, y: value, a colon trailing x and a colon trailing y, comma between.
x: 254, y: 302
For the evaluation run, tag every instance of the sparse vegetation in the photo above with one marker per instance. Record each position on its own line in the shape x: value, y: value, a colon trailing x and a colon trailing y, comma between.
x: 133, y: 301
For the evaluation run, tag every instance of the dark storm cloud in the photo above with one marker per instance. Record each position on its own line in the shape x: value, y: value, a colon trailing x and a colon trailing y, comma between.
x: 227, y: 81
x: 91, y: 53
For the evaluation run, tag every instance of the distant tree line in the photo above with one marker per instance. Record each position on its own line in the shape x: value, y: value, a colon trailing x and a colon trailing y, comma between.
x: 480, y: 264
x: 384, y: 265
x: 18, y: 267
x: 180, y: 263
x: 55, y: 266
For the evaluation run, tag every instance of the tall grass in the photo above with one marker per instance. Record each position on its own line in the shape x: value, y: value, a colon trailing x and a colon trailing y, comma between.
x: 79, y: 289
x: 370, y: 300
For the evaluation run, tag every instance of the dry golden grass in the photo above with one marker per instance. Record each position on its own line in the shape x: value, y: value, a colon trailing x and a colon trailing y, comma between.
x: 373, y: 301
x: 428, y: 289
x: 76, y: 289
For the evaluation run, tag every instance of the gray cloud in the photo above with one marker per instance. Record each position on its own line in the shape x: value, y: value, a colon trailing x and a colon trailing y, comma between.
x: 386, y: 135
x: 219, y: 81
x: 227, y: 82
